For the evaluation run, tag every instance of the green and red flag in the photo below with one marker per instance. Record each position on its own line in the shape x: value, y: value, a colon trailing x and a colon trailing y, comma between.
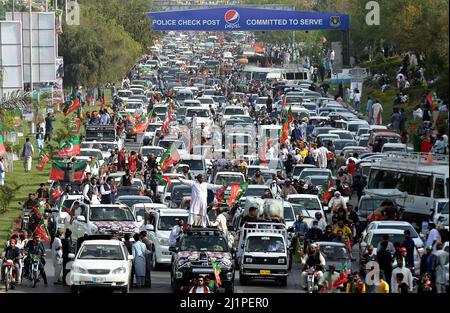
x: 2, y: 145
x: 263, y: 155
x: 217, y: 271
x: 283, y: 102
x: 325, y: 194
x: 141, y: 126
x: 42, y: 231
x: 59, y: 168
x: 163, y: 179
x: 57, y: 193
x: 75, y: 125
x: 235, y: 154
x: 284, y: 135
x: 170, y: 157
x: 73, y: 106
x: 42, y: 161
x: 234, y: 193
x: 70, y: 148
x: 343, y: 277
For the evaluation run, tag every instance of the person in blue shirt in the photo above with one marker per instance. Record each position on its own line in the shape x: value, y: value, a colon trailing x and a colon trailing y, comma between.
x: 369, y: 109
x: 297, y: 133
x: 300, y: 226
x: 410, y: 246
x: 309, y: 129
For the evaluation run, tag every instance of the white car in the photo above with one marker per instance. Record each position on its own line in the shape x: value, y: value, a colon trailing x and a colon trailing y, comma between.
x: 206, y: 101
x: 203, y: 116
x: 100, y: 219
x: 440, y: 215
x: 64, y: 204
x: 305, y: 204
x: 401, y: 225
x: 162, y: 221
x: 375, y: 236
x: 260, y: 102
x: 231, y: 111
x: 101, y: 264
x: 394, y: 147
x: 104, y: 146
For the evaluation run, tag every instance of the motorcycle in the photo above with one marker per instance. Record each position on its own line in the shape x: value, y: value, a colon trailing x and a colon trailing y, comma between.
x: 10, y: 275
x: 312, y: 280
x: 35, y: 273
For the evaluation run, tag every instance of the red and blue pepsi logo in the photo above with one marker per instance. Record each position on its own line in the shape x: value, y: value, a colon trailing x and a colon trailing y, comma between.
x: 232, y: 17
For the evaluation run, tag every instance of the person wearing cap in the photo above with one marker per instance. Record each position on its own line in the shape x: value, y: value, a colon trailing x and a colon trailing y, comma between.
x: 315, y: 259
x: 12, y: 252
x: 369, y: 256
x: 336, y: 202
x: 35, y: 247
x: 321, y: 222
x: 199, y: 199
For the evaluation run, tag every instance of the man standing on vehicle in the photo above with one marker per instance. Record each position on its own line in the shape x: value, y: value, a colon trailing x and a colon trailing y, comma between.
x: 107, y: 191
x: 199, y: 201
x: 176, y: 232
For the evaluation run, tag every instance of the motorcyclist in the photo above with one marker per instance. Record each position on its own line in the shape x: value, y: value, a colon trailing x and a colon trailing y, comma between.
x: 12, y: 252
x: 314, y: 233
x: 35, y: 247
x: 313, y: 259
x: 336, y: 202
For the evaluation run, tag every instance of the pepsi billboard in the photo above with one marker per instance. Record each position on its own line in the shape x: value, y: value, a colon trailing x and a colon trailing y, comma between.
x: 241, y: 18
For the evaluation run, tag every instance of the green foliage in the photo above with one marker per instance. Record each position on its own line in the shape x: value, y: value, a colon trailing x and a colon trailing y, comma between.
x: 112, y: 34
x: 7, y: 194
x: 380, y: 64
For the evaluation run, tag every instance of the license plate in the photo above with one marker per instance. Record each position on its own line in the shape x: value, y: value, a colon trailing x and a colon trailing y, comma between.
x: 264, y: 272
x: 98, y: 279
x: 202, y: 270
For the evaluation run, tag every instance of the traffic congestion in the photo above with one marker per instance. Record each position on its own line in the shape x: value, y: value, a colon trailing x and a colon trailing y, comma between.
x: 217, y: 166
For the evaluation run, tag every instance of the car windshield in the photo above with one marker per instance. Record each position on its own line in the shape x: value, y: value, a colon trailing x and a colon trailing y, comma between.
x: 124, y: 94
x: 255, y: 192
x: 288, y: 214
x: 305, y: 203
x: 265, y: 244
x: 377, y: 238
x: 203, y: 243
x: 179, y: 192
x: 307, y: 172
x: 339, y: 145
x: 206, y: 100
x: 334, y: 253
x: 318, y: 181
x: 101, y: 252
x: 155, y: 151
x: 129, y: 202
x: 168, y: 222
x: 152, y: 128
x: 444, y: 210
x: 229, y: 179
x: 115, y: 213
x: 369, y: 205
x: 345, y: 135
x: 140, y: 211
x: 200, y: 113
x: 160, y: 110
x: 167, y: 143
x: 234, y: 111
x: 401, y: 227
x: 100, y: 146
x: 196, y: 165
x: 91, y: 153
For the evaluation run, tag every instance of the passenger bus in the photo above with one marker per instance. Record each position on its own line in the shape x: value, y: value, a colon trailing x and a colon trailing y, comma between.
x: 425, y: 178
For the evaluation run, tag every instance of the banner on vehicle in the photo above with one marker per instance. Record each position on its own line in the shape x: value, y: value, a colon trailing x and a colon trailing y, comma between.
x: 242, y: 18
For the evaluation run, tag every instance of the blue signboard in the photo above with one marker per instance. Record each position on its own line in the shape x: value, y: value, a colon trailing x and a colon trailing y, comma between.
x: 241, y: 18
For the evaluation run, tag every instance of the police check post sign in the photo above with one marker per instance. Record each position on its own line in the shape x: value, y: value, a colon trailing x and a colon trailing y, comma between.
x: 241, y: 18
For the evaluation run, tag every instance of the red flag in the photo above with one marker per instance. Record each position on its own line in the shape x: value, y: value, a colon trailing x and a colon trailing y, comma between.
x: 58, y: 170
x: 167, y: 179
x: 263, y: 156
x: 234, y: 193
x: 170, y: 157
x: 75, y: 125
x: 57, y: 193
x: 42, y: 231
x: 2, y: 145
x: 44, y: 159
x: 72, y: 107
x: 70, y: 148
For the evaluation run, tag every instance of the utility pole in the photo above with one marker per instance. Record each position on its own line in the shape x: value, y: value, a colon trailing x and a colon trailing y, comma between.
x: 31, y: 50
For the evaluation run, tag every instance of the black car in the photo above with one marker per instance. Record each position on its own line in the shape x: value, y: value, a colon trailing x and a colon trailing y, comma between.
x: 196, y: 252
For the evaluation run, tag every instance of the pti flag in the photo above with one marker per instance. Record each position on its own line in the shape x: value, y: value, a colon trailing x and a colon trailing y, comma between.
x: 234, y: 194
x: 2, y: 145
x: 59, y: 169
x: 170, y: 157
x: 43, y: 160
x: 70, y: 147
x: 71, y: 107
x: 42, y: 231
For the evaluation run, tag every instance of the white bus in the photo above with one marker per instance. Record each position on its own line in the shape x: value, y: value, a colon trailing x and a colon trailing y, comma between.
x: 424, y: 179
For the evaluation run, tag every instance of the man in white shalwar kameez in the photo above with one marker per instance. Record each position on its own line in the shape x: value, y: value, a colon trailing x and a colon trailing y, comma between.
x: 199, y: 200
x: 322, y: 156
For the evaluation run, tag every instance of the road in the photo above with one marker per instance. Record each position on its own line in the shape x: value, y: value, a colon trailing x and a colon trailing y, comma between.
x: 161, y: 282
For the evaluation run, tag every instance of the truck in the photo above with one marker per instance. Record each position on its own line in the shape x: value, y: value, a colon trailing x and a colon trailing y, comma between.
x: 264, y: 252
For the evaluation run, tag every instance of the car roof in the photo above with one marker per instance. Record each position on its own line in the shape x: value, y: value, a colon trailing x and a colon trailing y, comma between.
x: 298, y: 195
x: 257, y: 187
x: 103, y: 242
x: 330, y: 243
x: 390, y: 223
x: 172, y: 212
x: 386, y: 231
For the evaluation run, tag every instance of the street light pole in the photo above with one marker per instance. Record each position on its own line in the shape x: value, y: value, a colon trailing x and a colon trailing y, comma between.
x: 31, y: 51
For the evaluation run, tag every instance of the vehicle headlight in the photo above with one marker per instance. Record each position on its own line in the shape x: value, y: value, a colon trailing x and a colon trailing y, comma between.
x: 79, y: 270
x: 163, y: 241
x: 248, y: 260
x: 281, y: 260
x: 120, y: 270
